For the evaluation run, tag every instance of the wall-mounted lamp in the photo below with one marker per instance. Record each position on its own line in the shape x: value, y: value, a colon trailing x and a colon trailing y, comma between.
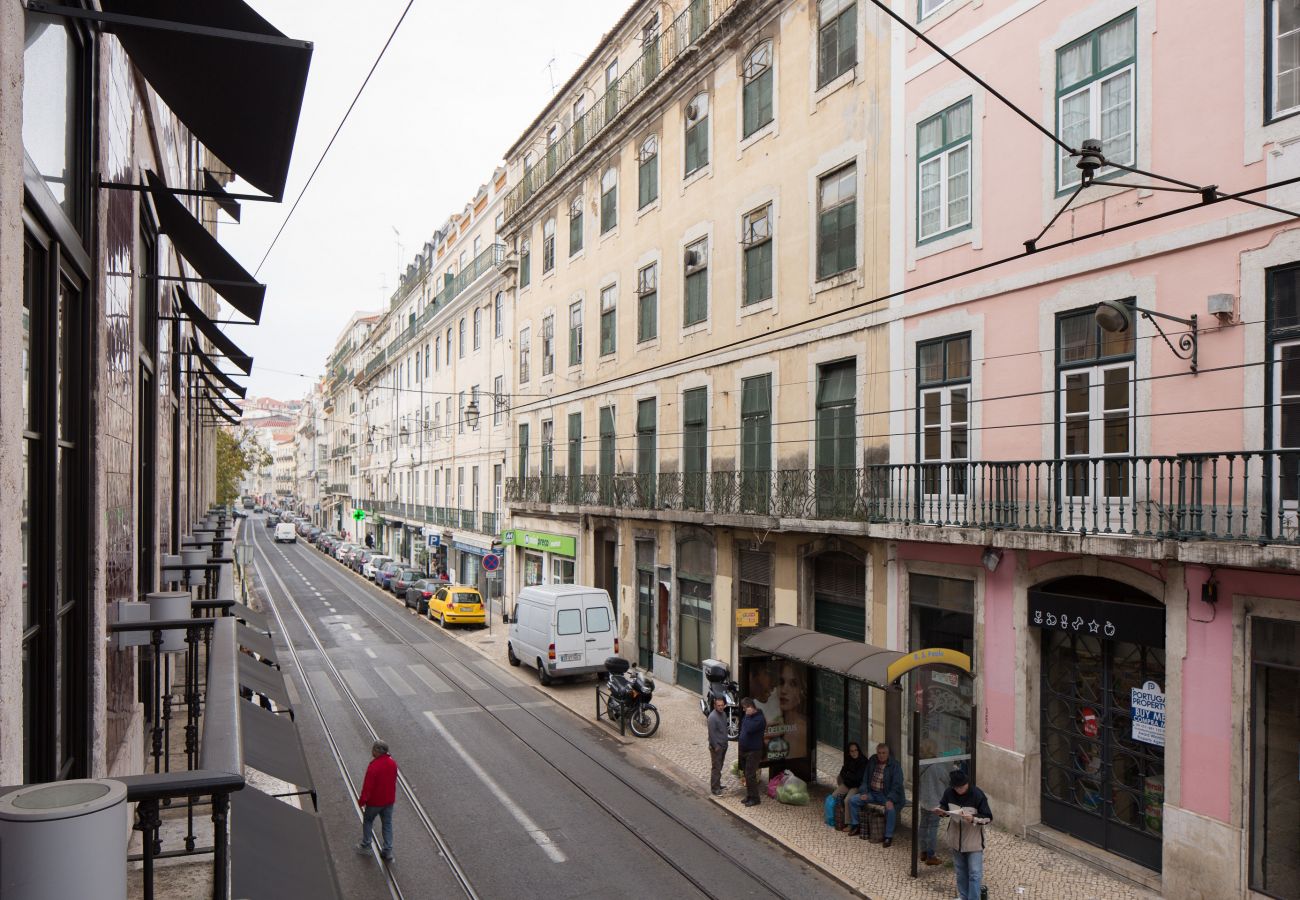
x: 1117, y: 318
x: 991, y: 557
x: 472, y: 415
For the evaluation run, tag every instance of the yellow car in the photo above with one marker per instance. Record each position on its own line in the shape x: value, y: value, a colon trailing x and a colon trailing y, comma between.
x: 457, y: 605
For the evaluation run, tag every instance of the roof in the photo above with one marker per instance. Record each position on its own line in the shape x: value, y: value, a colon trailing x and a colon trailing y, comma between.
x: 556, y: 591
x: 860, y: 661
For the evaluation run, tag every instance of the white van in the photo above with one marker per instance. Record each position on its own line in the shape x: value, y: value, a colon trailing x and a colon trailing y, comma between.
x: 561, y: 630
x: 284, y: 532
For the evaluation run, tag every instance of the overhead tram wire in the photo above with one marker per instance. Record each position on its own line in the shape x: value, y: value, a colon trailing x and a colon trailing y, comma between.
x: 334, y: 137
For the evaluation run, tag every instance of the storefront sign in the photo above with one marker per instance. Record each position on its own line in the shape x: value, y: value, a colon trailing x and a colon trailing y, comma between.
x: 746, y: 618
x: 933, y: 656
x: 537, y: 540
x: 1105, y: 620
x: 469, y: 548
x: 1147, y: 706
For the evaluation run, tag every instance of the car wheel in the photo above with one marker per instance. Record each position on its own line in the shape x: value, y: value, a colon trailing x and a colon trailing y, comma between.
x: 543, y: 676
x: 442, y: 620
x: 510, y: 655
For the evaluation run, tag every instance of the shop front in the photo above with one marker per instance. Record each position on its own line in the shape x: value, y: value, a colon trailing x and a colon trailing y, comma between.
x: 541, y: 557
x: 467, y: 561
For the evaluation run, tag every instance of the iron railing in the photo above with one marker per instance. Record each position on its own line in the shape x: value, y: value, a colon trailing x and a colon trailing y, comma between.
x: 446, y: 516
x: 1234, y: 496
x: 659, y: 53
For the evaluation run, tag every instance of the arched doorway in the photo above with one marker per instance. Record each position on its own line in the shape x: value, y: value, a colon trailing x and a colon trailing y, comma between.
x: 1102, y: 718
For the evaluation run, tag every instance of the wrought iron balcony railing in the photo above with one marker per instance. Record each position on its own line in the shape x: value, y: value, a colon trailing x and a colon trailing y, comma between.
x: 1236, y: 496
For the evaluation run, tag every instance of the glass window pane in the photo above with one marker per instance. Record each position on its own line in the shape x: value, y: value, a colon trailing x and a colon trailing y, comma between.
x: 1289, y: 364
x: 958, y: 409
x: 959, y: 121
x: 1076, y: 438
x: 959, y: 186
x: 50, y: 106
x: 958, y: 351
x: 929, y: 135
x: 1115, y: 43
x: 930, y: 362
x: 1288, y: 15
x: 1116, y: 116
x: 1077, y: 338
x: 1116, y: 389
x: 1073, y: 64
x: 1076, y: 393
x: 1116, y: 434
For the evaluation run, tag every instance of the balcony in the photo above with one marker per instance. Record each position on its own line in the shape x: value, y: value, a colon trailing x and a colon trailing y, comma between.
x: 1244, y: 497
x: 444, y: 516
x: 658, y: 55
x: 340, y: 489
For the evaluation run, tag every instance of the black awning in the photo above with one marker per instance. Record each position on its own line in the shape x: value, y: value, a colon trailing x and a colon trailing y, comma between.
x: 217, y: 410
x: 271, y: 745
x: 225, y: 380
x: 257, y: 641
x: 250, y: 617
x: 277, y: 851
x: 209, y: 328
x: 234, y: 80
x: 218, y: 192
x: 214, y: 393
x: 853, y: 659
x: 211, y: 260
x: 262, y: 679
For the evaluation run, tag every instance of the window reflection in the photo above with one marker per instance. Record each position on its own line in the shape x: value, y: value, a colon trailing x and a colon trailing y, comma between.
x: 50, y: 105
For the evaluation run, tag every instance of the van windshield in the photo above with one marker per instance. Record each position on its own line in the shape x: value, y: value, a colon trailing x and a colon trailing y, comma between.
x: 568, y: 621
x: 597, y: 619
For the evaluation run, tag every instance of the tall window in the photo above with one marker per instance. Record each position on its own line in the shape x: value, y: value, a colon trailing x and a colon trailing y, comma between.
x: 1095, y: 405
x: 478, y: 327
x: 837, y: 38
x: 1096, y: 94
x: 548, y: 449
x: 608, y: 200
x: 697, y: 282
x: 447, y: 360
x: 1284, y: 384
x: 524, y: 341
x: 579, y: 126
x: 426, y: 361
x: 645, y: 451
x: 460, y: 412
x: 575, y: 334
x: 757, y: 95
x: 523, y: 449
x: 574, y: 467
x: 606, y: 461
x: 756, y: 237
x: 525, y: 264
x: 498, y: 399
x: 836, y: 438
x: 647, y: 303
x: 943, y: 172
x: 943, y: 413
x: 608, y: 320
x: 755, y: 442
x: 575, y: 225
x: 697, y: 133
x: 837, y: 214
x: 498, y: 314
x: 1283, y: 53
x: 548, y: 245
x: 460, y: 336
x: 611, y: 90
x: 437, y: 353
x: 929, y: 7
x: 695, y: 446
x: 647, y: 172
x: 548, y: 345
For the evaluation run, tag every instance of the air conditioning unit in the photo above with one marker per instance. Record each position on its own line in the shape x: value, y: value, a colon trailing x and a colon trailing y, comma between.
x: 693, y: 259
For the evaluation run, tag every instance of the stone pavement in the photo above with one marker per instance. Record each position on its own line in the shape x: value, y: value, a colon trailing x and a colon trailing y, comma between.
x: 1013, y: 867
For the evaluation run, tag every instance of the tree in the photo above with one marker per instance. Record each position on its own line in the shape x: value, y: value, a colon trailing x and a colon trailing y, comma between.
x: 237, y: 452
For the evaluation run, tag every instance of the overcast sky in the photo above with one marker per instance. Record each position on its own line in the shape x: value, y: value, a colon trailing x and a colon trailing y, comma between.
x: 456, y: 88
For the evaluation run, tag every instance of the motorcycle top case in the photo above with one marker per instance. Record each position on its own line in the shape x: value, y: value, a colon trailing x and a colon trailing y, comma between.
x: 616, y: 665
x: 715, y: 670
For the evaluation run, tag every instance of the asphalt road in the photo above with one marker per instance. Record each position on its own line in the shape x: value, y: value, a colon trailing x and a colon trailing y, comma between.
x: 527, y: 799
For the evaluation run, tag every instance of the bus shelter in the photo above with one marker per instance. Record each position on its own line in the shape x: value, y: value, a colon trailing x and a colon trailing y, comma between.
x: 779, y: 667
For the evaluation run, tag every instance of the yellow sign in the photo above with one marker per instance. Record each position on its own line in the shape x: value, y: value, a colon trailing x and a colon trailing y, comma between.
x: 746, y: 618
x: 936, y: 656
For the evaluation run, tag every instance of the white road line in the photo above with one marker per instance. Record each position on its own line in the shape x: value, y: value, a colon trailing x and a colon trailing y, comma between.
x: 394, y: 681
x: 361, y: 689
x: 355, y: 636
x: 425, y: 674
x: 539, y: 837
x: 468, y: 679
x: 371, y: 653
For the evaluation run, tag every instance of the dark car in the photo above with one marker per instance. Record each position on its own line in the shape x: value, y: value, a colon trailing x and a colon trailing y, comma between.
x: 418, y: 594
x: 313, y: 534
x: 403, y: 579
x: 385, y: 575
x: 359, y: 559
x: 272, y: 521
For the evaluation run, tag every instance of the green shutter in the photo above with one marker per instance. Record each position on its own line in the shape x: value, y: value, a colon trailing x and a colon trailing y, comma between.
x: 756, y: 442
x: 606, y: 441
x: 648, y: 182
x: 647, y: 316
x: 574, y: 469
x: 608, y: 209
x: 697, y: 145
x: 607, y: 331
x: 525, y: 269
x: 758, y: 272
x: 758, y: 102
x: 697, y: 297
x: 575, y: 233
x: 694, y: 445
x: 523, y: 451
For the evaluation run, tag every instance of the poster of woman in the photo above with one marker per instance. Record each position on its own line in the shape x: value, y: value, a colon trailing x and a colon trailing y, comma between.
x: 781, y: 689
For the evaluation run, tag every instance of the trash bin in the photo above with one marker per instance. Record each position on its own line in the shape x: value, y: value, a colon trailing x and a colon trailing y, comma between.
x: 43, y: 826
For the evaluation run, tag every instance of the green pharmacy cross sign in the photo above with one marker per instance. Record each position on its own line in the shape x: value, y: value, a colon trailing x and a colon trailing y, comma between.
x: 358, y: 515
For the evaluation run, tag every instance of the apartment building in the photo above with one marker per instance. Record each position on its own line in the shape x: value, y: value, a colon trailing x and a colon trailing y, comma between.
x: 340, y: 406
x: 701, y: 219
x: 1093, y: 481
x: 310, y: 454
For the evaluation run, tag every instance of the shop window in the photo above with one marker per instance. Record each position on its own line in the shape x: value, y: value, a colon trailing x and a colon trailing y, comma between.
x: 532, y: 569
x: 1275, y: 758
x: 562, y: 570
x: 695, y: 616
x: 645, y: 602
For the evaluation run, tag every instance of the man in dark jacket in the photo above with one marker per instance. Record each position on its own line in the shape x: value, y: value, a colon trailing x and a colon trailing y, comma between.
x: 750, y: 745
x: 717, y: 743
x: 378, y: 794
x: 966, y: 832
x: 882, y: 784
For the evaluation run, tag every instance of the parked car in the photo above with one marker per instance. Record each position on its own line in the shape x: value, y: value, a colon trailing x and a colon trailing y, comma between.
x: 385, y: 575
x: 562, y: 629
x: 340, y: 549
x: 271, y: 521
x: 418, y: 595
x: 359, y: 559
x: 374, y: 564
x: 241, y: 512
x: 313, y: 534
x: 457, y: 605
x: 403, y: 579
x: 284, y: 533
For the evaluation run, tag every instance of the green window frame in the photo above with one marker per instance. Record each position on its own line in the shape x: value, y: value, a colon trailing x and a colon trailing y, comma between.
x: 548, y: 245
x: 548, y: 345
x: 755, y: 442
x: 647, y: 172
x: 647, y: 303
x: 1282, y: 50
x: 944, y: 173
x: 927, y: 8
x: 1096, y: 97
x: 608, y: 320
x: 605, y: 463
x: 574, y: 465
x: 608, y: 200
x: 695, y: 446
x: 756, y: 236
x: 575, y: 334
x: 837, y: 214
x: 525, y: 262
x: 697, y: 133
x: 696, y: 307
x: 548, y: 448
x: 575, y: 225
x: 646, y: 449
x: 756, y: 98
x: 837, y: 39
x: 525, y: 341
x: 836, y: 438
x: 943, y: 407
x: 523, y: 450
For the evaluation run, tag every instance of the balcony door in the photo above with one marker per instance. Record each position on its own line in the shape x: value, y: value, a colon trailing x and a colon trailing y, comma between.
x: 1096, y: 440
x: 1286, y: 436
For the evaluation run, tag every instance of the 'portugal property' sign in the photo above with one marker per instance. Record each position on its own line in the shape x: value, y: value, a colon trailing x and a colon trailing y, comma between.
x: 1148, y: 709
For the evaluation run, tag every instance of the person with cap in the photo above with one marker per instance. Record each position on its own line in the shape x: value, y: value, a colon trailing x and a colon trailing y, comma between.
x: 753, y: 725
x: 967, y: 809
x: 378, y: 794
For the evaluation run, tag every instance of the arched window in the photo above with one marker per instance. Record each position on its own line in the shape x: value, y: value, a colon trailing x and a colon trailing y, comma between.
x: 608, y: 199
x: 548, y: 245
x: 757, y: 98
x: 647, y: 175
x: 575, y: 225
x: 697, y: 133
x: 525, y: 266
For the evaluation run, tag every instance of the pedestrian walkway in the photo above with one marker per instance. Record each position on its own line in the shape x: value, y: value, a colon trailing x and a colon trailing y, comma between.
x: 1013, y: 867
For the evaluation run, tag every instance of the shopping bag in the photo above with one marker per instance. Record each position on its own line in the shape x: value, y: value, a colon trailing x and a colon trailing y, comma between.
x: 831, y: 803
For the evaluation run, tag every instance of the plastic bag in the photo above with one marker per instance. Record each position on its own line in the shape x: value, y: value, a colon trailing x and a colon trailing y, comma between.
x: 793, y: 790
x: 830, y: 810
x: 774, y: 783
x: 736, y: 769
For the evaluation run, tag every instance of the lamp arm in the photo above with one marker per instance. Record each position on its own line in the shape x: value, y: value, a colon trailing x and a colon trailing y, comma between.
x: 1187, y: 341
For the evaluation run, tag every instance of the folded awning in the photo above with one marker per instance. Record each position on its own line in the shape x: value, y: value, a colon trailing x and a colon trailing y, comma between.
x: 225, y: 380
x: 218, y: 411
x: 262, y: 679
x: 250, y: 617
x: 214, y: 393
x: 271, y: 745
x: 209, y: 329
x: 216, y: 267
x: 234, y: 80
x: 257, y: 641
x: 277, y: 851
x: 218, y: 193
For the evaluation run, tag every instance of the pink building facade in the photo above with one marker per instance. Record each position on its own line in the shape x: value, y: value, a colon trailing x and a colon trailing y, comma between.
x: 1106, y: 516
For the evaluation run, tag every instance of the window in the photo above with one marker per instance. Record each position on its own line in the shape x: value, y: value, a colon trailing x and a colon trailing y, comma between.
x: 548, y: 246
x: 1283, y: 337
x: 837, y: 212
x: 943, y: 172
x: 647, y: 172
x: 437, y: 353
x: 568, y: 621
x: 597, y: 619
x: 606, y: 460
x: 1095, y: 96
x: 56, y: 114
x: 460, y: 335
x: 548, y: 345
x: 448, y: 357
x: 498, y: 399
x: 647, y: 303
x: 562, y: 570
x: 524, y: 338
x: 608, y: 200
x: 478, y: 328
x: 756, y: 237
x: 697, y: 133
x: 552, y: 156
x: 608, y: 322
x: 1094, y: 406
x: 929, y: 7
x: 426, y: 360
x: 574, y: 467
x: 645, y: 451
x: 611, y: 90
x: 579, y: 126
x: 1284, y: 55
x: 695, y: 446
x: 523, y: 449
x: 575, y: 334
x: 478, y: 245
x: 755, y: 442
x: 1274, y: 723
x: 548, y: 449
x: 697, y: 282
x: 575, y: 225
x: 525, y: 265
x: 757, y: 97
x: 943, y: 414
x: 498, y: 314
x: 836, y: 438
x: 837, y: 39
x: 460, y: 412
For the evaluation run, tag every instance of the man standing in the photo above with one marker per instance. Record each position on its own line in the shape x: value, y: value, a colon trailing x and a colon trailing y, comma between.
x: 750, y: 745
x: 883, y: 785
x: 370, y: 541
x: 378, y: 794
x: 717, y: 743
x: 966, y: 832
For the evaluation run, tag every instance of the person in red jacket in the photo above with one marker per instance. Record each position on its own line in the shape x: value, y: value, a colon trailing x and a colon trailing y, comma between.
x: 378, y: 794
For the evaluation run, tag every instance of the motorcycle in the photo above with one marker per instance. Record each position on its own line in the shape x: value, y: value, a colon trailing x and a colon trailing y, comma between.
x: 720, y: 685
x: 630, y: 691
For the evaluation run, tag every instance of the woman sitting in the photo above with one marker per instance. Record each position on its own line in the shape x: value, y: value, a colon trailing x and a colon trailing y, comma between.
x: 848, y: 781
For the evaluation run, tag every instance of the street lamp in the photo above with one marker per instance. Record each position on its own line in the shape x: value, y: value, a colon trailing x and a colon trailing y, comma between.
x: 1116, y: 318
x: 472, y: 415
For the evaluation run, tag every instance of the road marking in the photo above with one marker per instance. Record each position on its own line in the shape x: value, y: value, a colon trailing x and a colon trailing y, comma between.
x: 360, y: 688
x: 539, y: 837
x: 371, y: 653
x: 355, y: 636
x: 323, y: 685
x: 467, y: 678
x: 425, y: 674
x: 394, y: 681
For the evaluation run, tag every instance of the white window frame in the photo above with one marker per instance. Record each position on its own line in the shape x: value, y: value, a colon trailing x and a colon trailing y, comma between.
x: 1290, y: 508
x: 942, y: 159
x: 1097, y: 414
x: 1068, y: 175
x: 1274, y: 74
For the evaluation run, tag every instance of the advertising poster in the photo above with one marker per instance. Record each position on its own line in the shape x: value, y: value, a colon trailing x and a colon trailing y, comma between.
x: 780, y: 688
